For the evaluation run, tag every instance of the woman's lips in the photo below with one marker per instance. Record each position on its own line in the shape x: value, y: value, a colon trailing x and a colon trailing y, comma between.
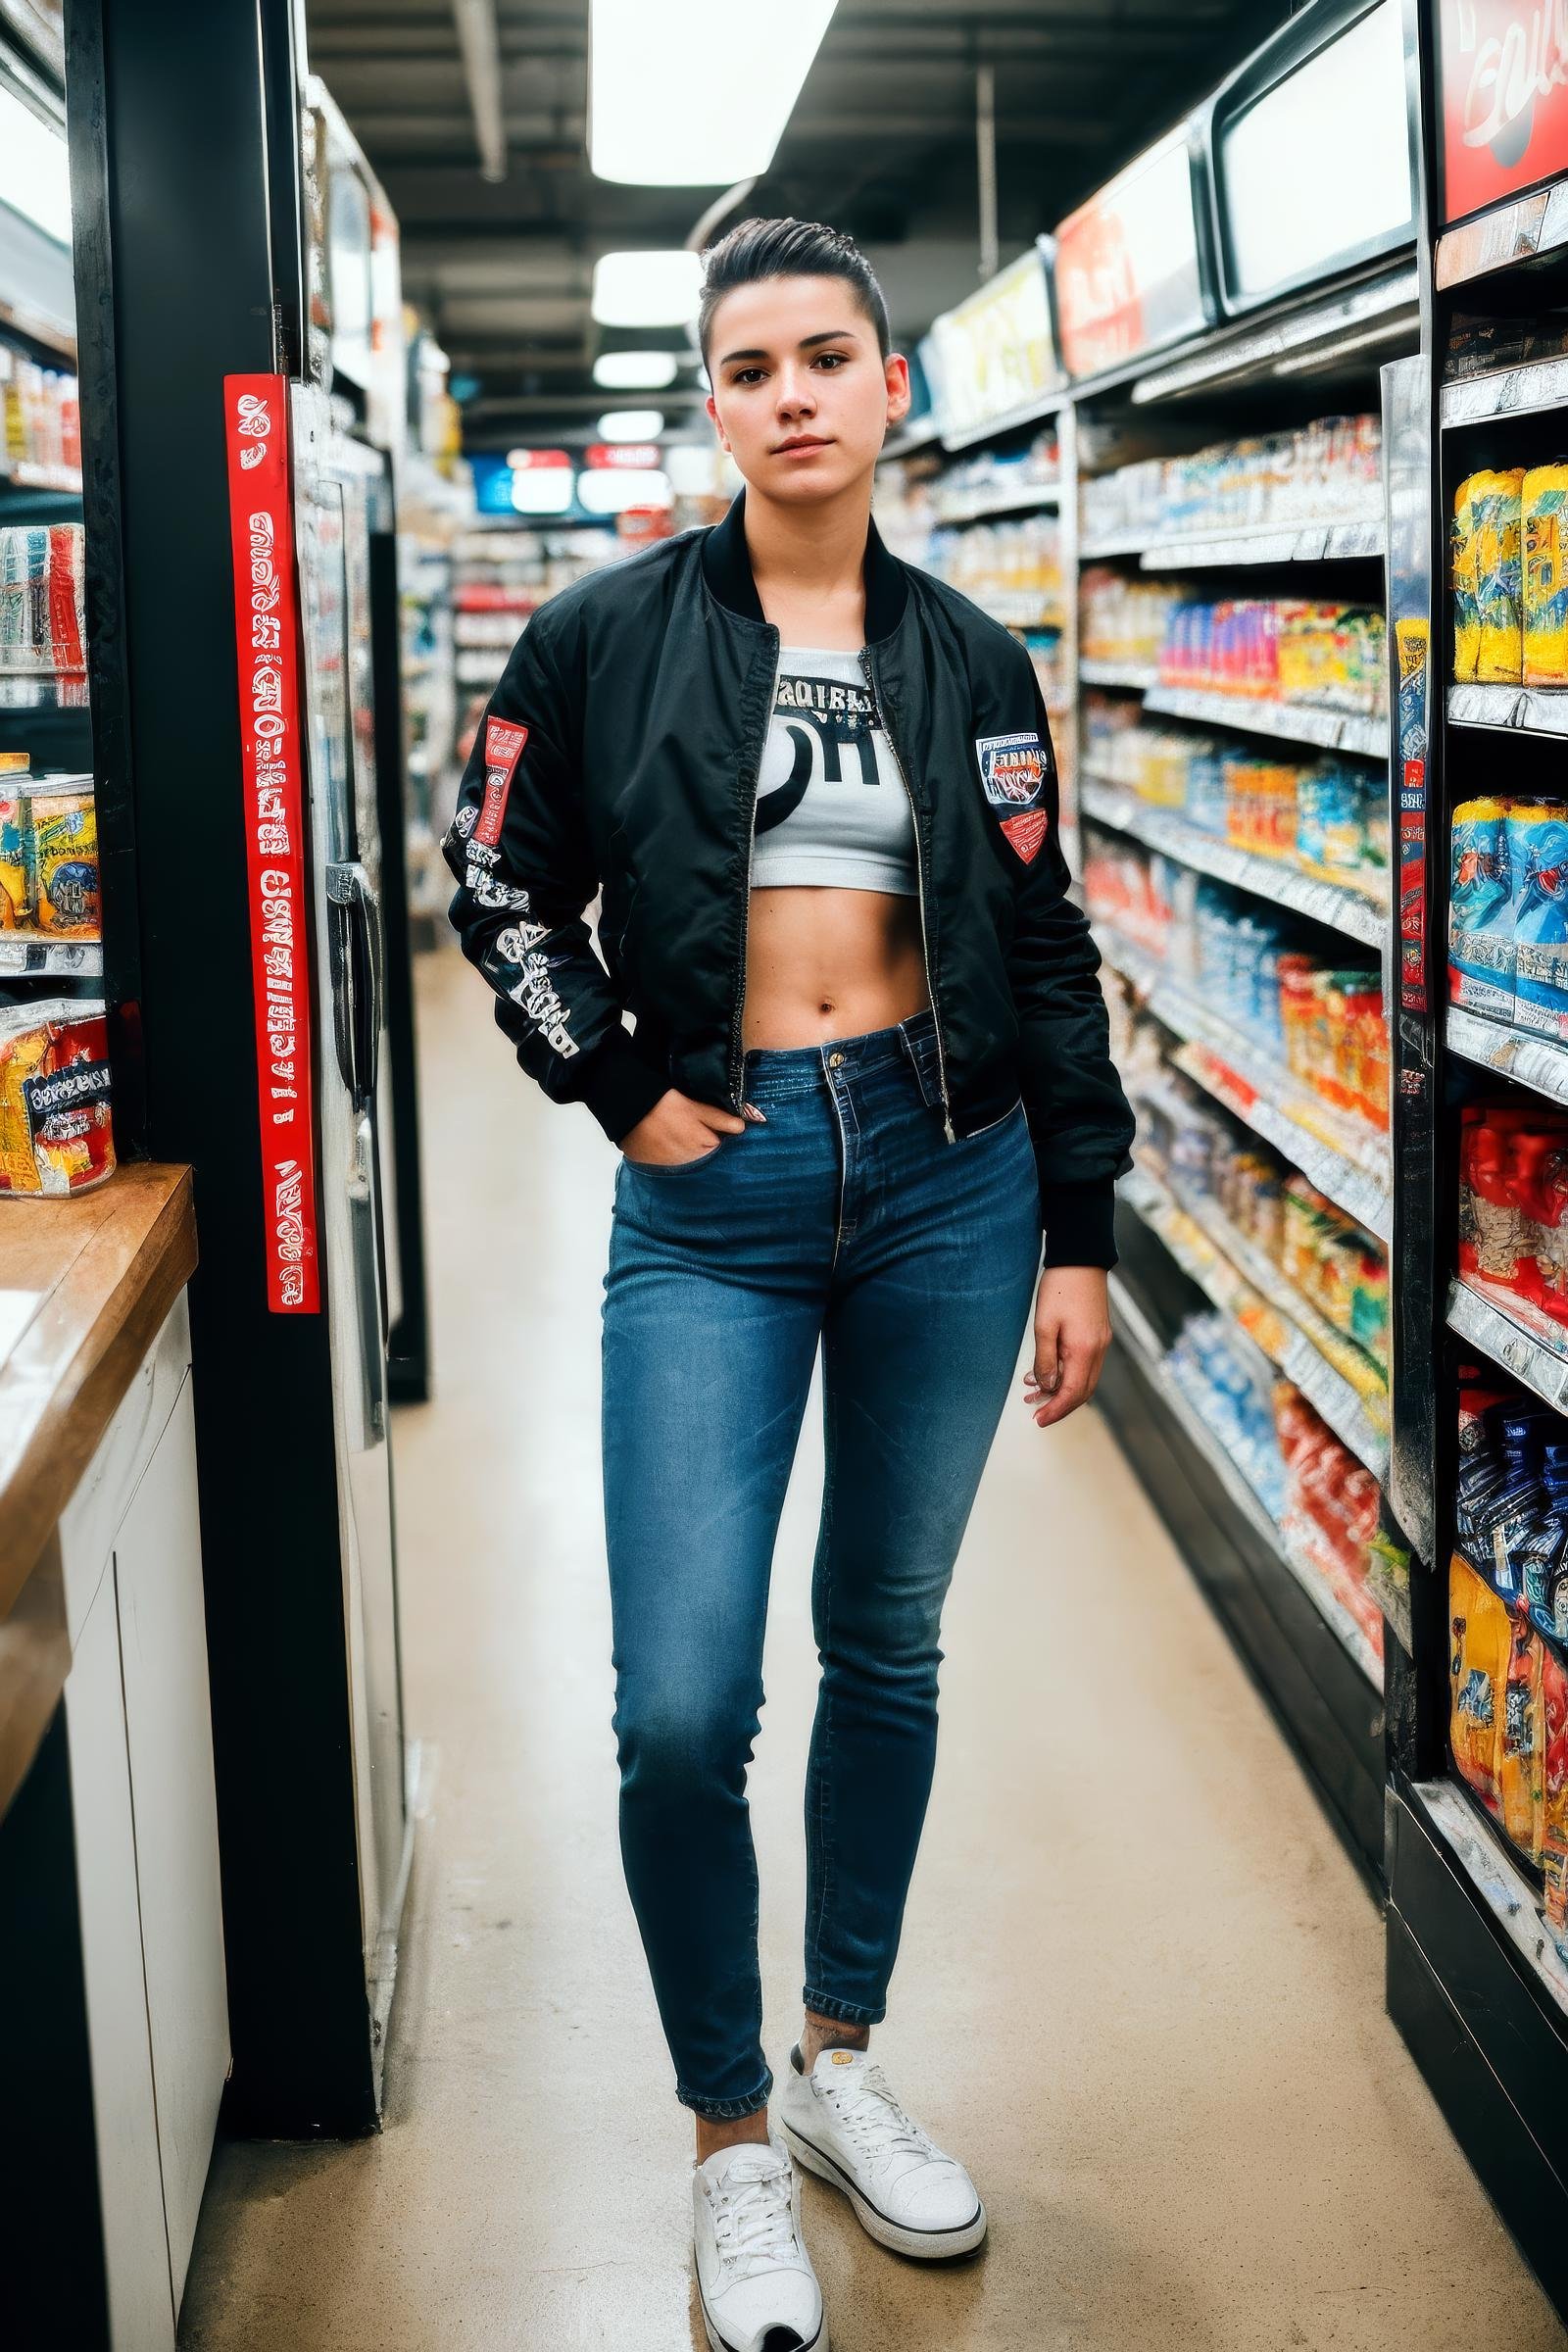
x: 802, y: 447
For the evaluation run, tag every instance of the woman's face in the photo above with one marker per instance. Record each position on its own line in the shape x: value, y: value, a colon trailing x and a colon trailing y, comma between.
x: 802, y: 396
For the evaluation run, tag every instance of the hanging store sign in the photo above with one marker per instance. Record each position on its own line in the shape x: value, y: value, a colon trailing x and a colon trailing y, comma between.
x: 1129, y: 263
x: 1502, y: 70
x: 266, y: 632
x: 995, y: 352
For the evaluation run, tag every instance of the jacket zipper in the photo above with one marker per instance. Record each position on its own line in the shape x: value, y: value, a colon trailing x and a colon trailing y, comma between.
x: 737, y: 1056
x: 919, y: 879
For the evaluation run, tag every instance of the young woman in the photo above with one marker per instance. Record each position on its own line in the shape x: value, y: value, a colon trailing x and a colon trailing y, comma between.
x: 814, y: 788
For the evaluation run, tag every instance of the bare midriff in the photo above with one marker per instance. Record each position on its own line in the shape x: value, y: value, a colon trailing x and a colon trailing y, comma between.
x: 824, y: 963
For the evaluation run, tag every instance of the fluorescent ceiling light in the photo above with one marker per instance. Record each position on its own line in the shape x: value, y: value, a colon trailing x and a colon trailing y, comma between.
x: 610, y: 490
x: 631, y: 424
x: 695, y: 93
x: 35, y: 172
x: 635, y: 371
x: 646, y: 290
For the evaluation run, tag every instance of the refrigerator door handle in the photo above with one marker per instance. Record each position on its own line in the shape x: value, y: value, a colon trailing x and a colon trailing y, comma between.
x: 354, y: 929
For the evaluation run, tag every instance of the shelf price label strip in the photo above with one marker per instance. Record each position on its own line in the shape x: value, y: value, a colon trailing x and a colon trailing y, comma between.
x: 267, y: 631
x: 1515, y: 1335
x: 1537, y: 1063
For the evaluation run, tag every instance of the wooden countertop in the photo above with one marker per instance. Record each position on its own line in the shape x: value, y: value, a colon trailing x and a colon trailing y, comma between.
x: 84, y: 1288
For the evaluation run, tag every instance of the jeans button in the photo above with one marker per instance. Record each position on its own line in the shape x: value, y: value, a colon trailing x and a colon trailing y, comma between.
x: 833, y: 1060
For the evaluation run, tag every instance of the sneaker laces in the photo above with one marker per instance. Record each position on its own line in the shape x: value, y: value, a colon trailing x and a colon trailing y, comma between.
x: 753, y: 2220
x: 873, y: 2117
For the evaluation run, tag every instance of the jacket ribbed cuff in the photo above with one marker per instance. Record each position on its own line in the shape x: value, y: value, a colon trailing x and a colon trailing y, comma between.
x: 1079, y: 1221
x: 617, y: 1085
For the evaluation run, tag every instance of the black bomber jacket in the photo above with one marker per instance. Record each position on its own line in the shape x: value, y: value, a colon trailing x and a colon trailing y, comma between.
x: 620, y: 754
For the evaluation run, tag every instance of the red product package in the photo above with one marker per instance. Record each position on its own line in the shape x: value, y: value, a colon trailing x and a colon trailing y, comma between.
x: 1554, y: 1792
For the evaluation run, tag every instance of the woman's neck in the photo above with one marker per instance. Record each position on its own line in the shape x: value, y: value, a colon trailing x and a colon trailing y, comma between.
x: 809, y: 564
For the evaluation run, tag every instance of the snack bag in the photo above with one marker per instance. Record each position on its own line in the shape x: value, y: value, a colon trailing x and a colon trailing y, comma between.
x: 1520, y: 1770
x: 1542, y: 504
x: 1538, y: 867
x: 65, y: 862
x: 16, y: 896
x: 1481, y: 949
x: 1480, y: 1643
x: 56, y: 1132
x: 1500, y: 577
x: 1463, y: 551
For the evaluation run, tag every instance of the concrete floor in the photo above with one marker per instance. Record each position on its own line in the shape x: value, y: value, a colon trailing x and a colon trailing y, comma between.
x: 1140, y: 1989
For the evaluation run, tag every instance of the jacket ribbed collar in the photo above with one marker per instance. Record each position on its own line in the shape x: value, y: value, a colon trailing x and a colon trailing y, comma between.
x: 728, y: 570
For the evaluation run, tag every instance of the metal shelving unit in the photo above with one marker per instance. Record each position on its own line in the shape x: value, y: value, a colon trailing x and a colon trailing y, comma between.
x: 1285, y: 722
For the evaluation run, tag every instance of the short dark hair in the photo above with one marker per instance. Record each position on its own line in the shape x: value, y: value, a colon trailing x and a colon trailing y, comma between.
x: 755, y: 250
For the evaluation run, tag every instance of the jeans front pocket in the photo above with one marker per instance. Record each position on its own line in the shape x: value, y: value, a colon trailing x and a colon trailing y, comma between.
x: 675, y: 1167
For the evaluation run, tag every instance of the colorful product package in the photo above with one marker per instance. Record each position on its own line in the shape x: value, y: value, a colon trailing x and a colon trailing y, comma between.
x: 1537, y: 871
x: 1462, y: 550
x: 1481, y: 946
x: 56, y: 1131
x: 1520, y: 1770
x: 65, y: 860
x: 15, y: 886
x: 1544, y: 521
x: 1500, y: 577
x: 1479, y: 1647
x: 1553, y: 1846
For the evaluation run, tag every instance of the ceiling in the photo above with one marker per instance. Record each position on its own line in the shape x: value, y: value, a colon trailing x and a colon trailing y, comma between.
x: 881, y: 143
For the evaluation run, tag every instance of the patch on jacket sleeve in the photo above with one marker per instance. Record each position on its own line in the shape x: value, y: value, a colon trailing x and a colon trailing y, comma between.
x: 502, y: 749
x: 1012, y: 773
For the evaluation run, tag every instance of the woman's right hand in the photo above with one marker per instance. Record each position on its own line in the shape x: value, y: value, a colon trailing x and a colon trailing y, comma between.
x: 676, y: 1129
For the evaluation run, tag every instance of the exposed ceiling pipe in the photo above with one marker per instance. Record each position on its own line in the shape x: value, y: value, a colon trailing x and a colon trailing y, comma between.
x: 985, y: 141
x: 480, y: 43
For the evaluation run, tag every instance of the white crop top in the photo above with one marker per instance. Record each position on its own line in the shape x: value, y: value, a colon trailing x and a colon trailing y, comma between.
x: 831, y: 806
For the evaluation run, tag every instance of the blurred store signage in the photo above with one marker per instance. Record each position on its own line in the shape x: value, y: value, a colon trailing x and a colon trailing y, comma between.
x: 1129, y: 263
x: 1503, y: 67
x: 639, y: 456
x: 995, y: 353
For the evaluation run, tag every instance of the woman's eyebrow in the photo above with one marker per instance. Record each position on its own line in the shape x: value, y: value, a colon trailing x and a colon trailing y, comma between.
x: 831, y: 334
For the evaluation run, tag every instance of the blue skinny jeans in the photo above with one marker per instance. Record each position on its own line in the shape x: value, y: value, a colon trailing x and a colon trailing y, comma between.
x: 847, y: 1221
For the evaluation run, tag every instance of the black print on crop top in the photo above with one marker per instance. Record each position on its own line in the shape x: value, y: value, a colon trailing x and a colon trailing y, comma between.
x: 831, y: 806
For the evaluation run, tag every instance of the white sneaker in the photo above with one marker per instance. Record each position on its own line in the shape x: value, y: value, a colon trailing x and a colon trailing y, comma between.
x: 758, y: 2287
x: 843, y: 2122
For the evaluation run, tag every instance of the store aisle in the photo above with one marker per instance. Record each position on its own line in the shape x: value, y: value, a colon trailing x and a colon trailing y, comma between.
x: 1140, y: 1989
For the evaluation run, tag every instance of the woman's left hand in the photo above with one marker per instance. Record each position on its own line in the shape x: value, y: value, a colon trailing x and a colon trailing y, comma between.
x: 1072, y: 1331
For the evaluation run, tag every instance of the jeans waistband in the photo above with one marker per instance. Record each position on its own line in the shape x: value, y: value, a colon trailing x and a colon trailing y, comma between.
x: 800, y: 1067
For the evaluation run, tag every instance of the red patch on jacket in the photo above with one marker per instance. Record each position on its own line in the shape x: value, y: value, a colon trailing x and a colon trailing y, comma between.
x: 1026, y: 832
x: 502, y: 749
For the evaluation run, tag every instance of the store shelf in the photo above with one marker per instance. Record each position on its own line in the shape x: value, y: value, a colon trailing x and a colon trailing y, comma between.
x: 1287, y: 722
x: 1133, y: 675
x: 1305, y: 336
x: 1527, y: 390
x: 1325, y: 1691
x: 1523, y: 230
x: 1026, y: 498
x: 1534, y: 1061
x: 1516, y: 709
x: 25, y: 956
x: 1034, y: 412
x: 19, y: 474
x: 1263, y: 543
x: 1510, y: 1332
x: 1504, y: 1888
x: 926, y: 434
x: 1351, y: 1170
x: 40, y: 689
x: 1287, y: 1339
x: 1022, y: 611
x: 1272, y: 878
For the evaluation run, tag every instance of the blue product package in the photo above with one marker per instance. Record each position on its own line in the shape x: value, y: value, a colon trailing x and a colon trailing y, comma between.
x: 1537, y: 866
x: 1481, y: 949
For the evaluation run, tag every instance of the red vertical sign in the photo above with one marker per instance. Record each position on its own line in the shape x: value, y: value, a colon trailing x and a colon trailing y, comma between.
x: 266, y: 626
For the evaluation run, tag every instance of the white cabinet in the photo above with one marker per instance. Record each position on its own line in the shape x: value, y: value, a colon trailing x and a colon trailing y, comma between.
x: 141, y: 1768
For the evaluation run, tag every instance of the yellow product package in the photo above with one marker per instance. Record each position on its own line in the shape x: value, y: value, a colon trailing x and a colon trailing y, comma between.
x: 1543, y: 522
x: 65, y: 860
x: 24, y: 1051
x: 1480, y: 1643
x: 1520, y: 1759
x: 1462, y: 577
x: 1500, y: 577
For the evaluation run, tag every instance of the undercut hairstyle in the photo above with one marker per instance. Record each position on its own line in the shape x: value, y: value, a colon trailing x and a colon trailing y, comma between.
x: 755, y: 250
